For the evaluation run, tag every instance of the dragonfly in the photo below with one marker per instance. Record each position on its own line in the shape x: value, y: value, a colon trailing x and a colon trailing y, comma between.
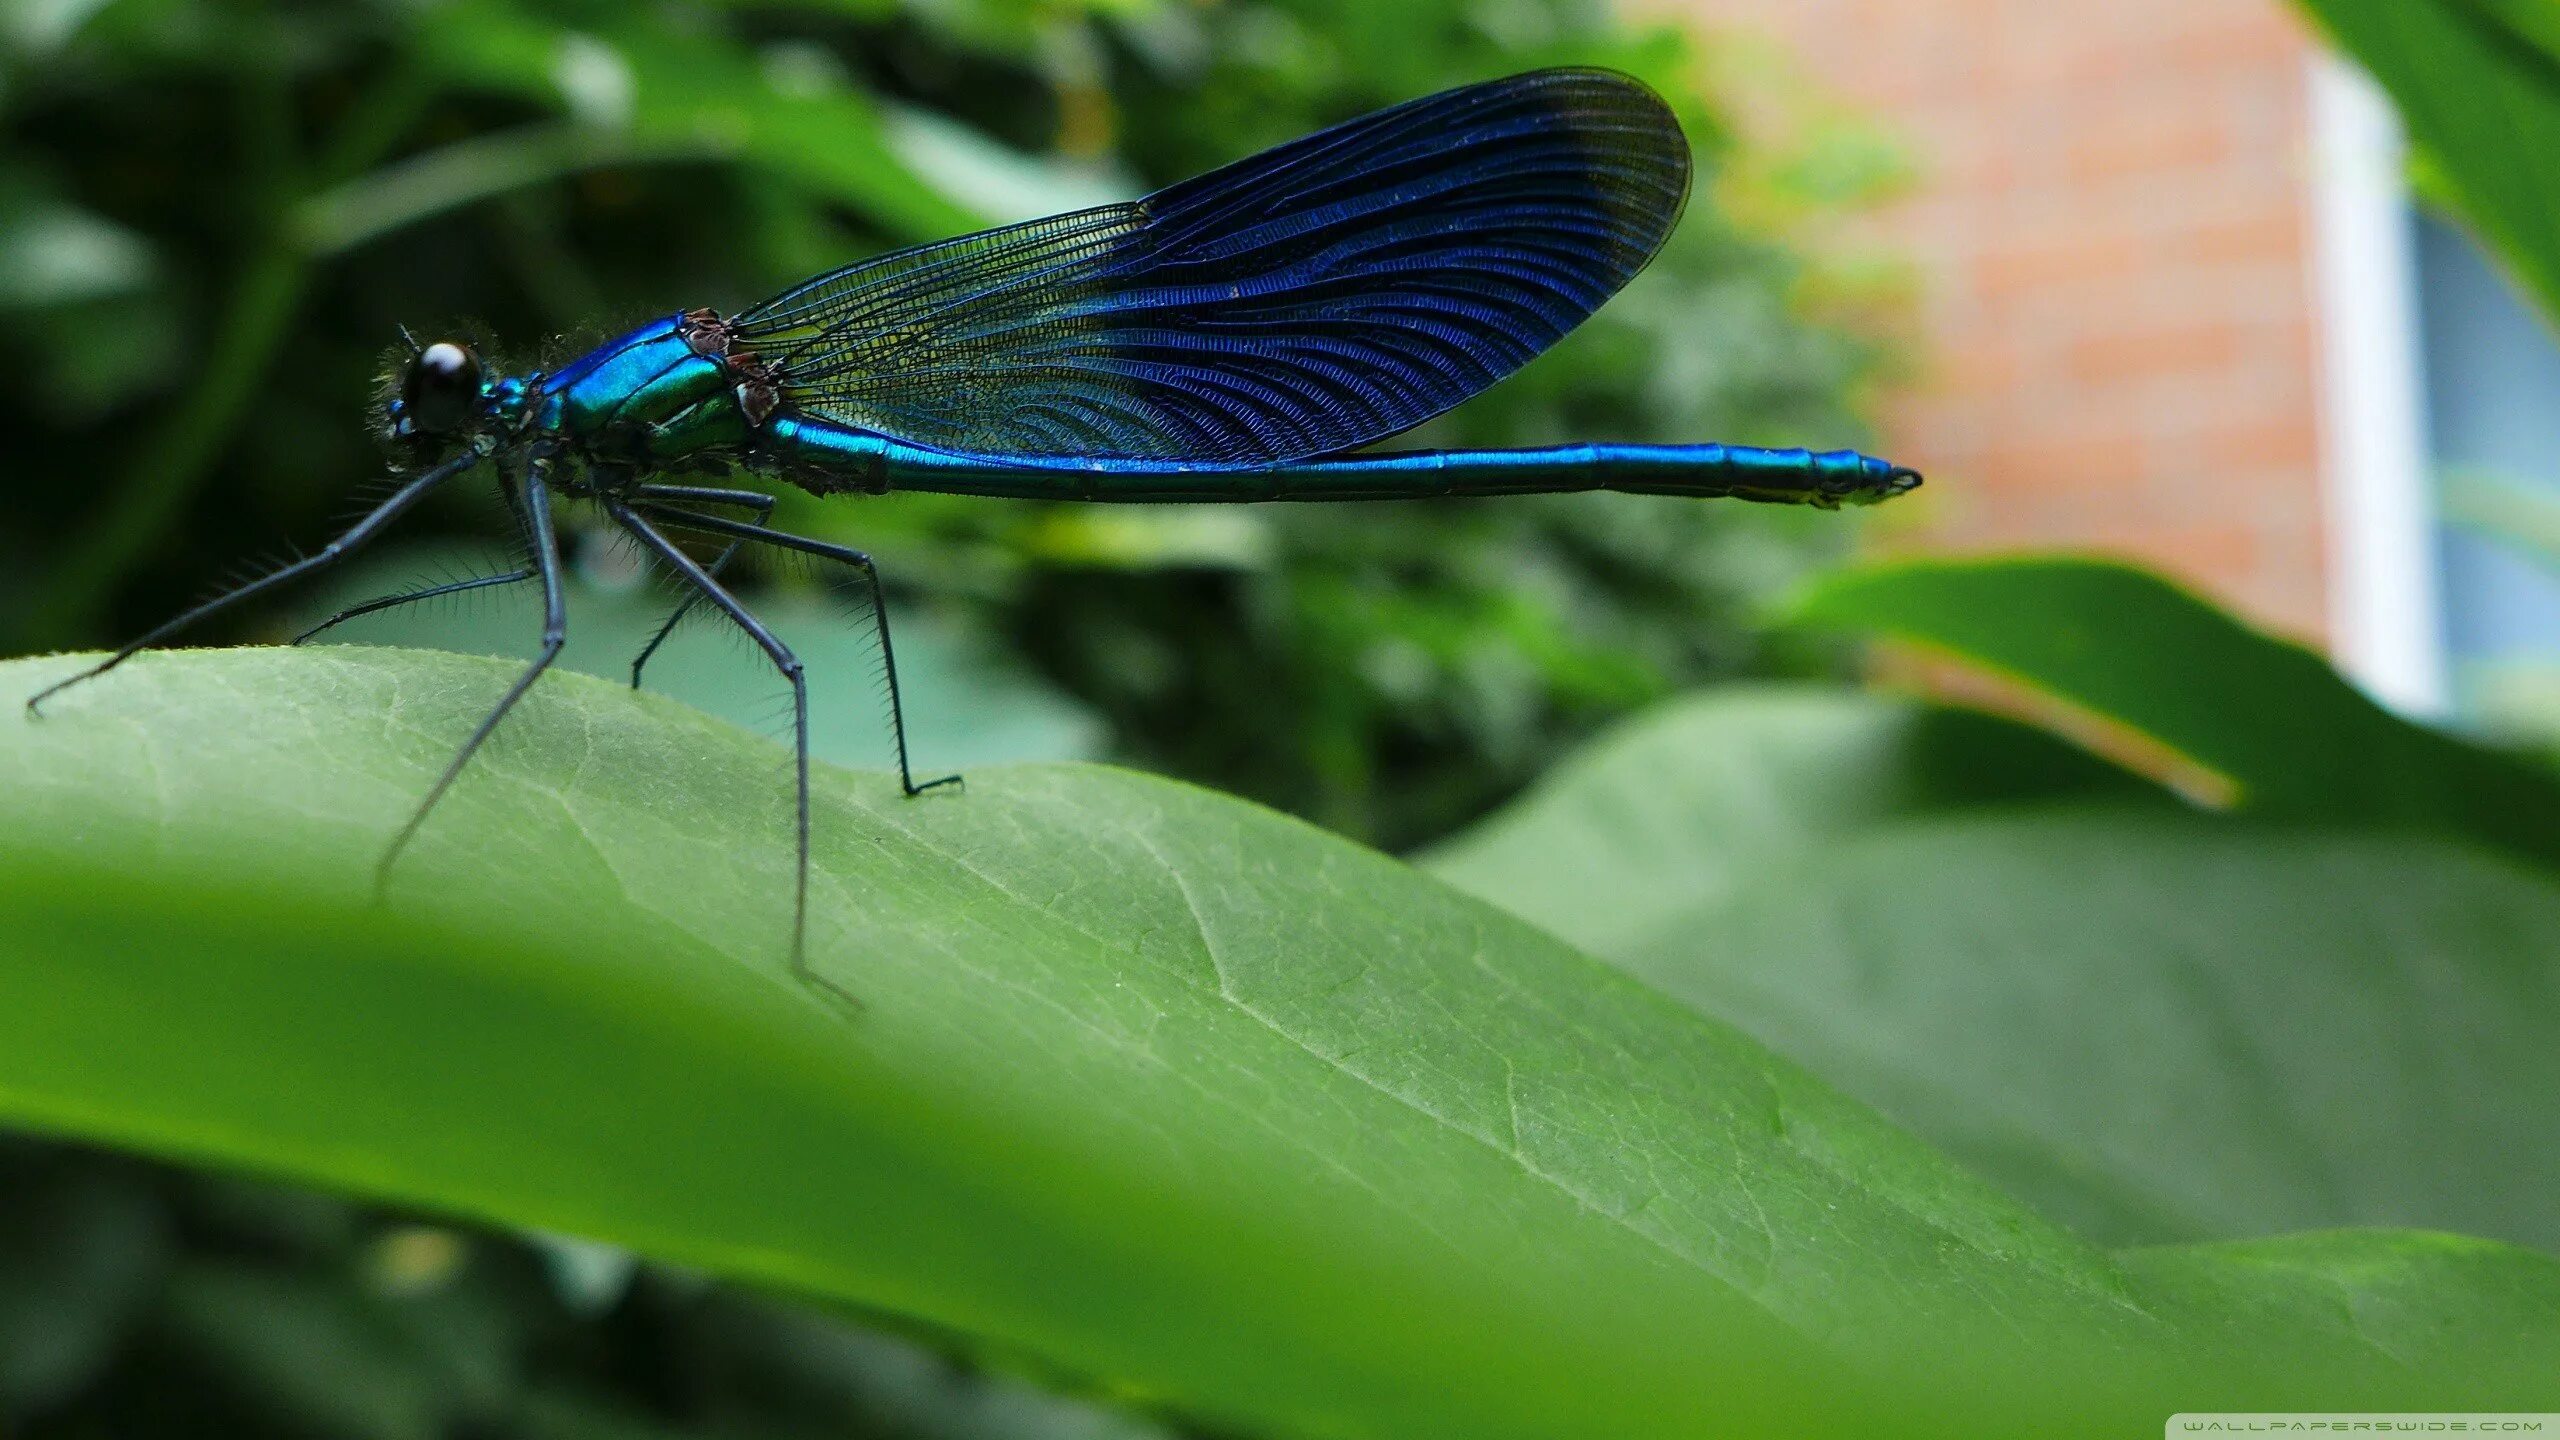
x: 1239, y: 336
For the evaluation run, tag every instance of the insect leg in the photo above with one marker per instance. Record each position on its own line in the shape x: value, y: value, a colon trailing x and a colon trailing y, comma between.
x: 515, y: 507
x: 789, y: 664
x: 329, y: 554
x: 555, y: 633
x: 740, y: 530
x: 412, y: 597
x: 755, y: 500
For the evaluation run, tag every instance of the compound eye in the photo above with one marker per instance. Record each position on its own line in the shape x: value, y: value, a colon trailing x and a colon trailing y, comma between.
x: 442, y: 389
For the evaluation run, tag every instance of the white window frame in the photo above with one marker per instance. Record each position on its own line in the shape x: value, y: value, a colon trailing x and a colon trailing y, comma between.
x: 2386, y: 608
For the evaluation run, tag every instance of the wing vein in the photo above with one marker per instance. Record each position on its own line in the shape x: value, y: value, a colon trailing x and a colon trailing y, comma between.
x: 1314, y: 298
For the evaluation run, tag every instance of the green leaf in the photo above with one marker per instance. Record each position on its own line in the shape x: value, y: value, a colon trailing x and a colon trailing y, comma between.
x: 2406, y: 1300
x: 2536, y: 22
x: 1135, y: 1061
x: 53, y: 252
x: 968, y: 705
x: 2152, y: 1025
x: 676, y: 81
x: 2479, y: 90
x: 2162, y: 1027
x: 476, y: 168
x: 976, y: 171
x: 1148, y: 1085
x: 1623, y: 846
x: 2271, y: 717
x: 1736, y: 787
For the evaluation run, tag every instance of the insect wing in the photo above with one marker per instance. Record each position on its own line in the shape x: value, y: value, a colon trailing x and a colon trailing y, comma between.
x: 1313, y: 298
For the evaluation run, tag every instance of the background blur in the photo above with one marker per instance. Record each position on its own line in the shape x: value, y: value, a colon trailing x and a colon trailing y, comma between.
x: 2144, y: 278
x: 2180, y: 303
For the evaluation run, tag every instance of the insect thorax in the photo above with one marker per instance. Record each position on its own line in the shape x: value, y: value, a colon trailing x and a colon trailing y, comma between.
x: 674, y: 389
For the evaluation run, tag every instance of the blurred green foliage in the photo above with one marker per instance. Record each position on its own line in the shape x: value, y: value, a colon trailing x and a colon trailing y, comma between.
x: 213, y: 215
x: 139, y: 1301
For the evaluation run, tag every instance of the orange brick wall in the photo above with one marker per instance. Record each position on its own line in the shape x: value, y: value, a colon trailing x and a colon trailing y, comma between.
x: 2112, y: 226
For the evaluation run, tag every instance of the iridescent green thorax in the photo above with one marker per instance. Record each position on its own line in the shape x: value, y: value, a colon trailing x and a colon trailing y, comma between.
x: 667, y: 391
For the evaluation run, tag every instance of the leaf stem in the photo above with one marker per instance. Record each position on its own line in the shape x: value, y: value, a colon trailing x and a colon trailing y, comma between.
x: 469, y: 171
x: 157, y: 485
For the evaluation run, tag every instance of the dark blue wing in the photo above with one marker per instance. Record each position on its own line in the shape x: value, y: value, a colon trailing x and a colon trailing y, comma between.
x: 1310, y: 299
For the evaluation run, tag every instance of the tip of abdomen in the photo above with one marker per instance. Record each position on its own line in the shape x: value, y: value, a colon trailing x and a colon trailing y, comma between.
x: 1884, y: 481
